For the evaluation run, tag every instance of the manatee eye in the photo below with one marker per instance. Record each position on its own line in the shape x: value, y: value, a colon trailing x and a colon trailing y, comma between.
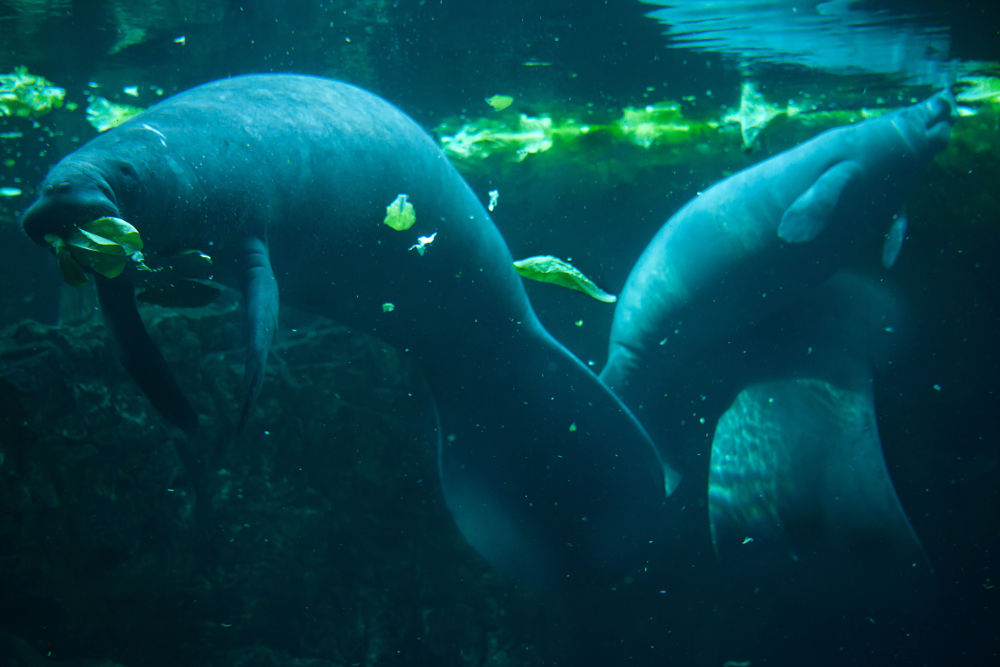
x: 63, y: 186
x: 129, y: 177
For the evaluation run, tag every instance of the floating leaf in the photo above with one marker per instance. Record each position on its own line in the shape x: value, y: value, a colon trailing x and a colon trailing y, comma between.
x: 754, y: 114
x: 400, y: 214
x: 549, y: 269
x: 516, y: 140
x: 500, y: 102
x: 28, y: 95
x: 103, y: 114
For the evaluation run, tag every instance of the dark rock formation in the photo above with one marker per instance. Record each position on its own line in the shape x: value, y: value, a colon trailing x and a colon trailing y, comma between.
x: 318, y: 537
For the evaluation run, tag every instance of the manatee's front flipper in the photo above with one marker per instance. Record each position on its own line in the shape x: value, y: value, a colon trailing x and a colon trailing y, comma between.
x: 140, y: 355
x: 545, y: 471
x: 260, y: 291
x: 801, y: 503
x: 813, y: 211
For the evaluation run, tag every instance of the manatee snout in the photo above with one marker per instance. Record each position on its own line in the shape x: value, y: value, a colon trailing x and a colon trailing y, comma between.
x: 938, y: 113
x: 63, y: 205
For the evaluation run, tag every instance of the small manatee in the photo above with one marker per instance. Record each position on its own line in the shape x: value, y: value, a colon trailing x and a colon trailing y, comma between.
x: 549, y: 269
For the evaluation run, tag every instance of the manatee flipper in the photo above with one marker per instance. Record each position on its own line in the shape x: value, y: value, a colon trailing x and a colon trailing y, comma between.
x: 893, y: 241
x: 544, y: 470
x: 260, y: 291
x: 801, y: 503
x: 812, y: 212
x: 139, y: 353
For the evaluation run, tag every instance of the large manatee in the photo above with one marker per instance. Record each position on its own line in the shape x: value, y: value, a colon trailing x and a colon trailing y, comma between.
x: 285, y: 181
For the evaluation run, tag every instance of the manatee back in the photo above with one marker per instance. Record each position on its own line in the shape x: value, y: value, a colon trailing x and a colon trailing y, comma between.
x: 311, y: 164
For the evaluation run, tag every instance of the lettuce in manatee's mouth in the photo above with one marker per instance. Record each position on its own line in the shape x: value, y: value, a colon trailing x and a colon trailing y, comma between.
x: 104, y: 246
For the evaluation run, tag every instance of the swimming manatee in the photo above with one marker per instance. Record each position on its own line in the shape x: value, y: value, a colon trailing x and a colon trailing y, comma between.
x: 719, y: 315
x: 285, y: 181
x: 749, y: 245
x: 801, y: 503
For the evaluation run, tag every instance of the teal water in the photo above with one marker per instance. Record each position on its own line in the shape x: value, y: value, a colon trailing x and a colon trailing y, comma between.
x: 320, y: 537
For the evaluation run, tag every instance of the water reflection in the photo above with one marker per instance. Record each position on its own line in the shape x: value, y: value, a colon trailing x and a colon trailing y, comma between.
x: 834, y: 36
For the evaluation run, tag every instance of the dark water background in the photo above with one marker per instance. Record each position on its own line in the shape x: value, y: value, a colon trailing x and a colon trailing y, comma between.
x: 326, y: 541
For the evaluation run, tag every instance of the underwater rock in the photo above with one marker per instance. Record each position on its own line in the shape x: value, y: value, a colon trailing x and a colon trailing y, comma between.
x: 110, y: 520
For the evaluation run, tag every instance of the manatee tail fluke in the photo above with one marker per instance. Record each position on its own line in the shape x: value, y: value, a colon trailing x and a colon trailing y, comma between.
x: 140, y: 355
x: 801, y: 502
x: 545, y: 471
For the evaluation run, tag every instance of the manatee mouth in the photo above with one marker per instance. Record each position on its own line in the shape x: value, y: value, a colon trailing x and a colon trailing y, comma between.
x: 104, y: 246
x: 926, y: 126
x: 939, y: 114
x: 41, y: 221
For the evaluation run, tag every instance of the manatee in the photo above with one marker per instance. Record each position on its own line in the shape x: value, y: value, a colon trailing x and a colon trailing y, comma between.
x: 285, y: 180
x: 717, y: 317
x: 751, y: 244
x: 801, y: 503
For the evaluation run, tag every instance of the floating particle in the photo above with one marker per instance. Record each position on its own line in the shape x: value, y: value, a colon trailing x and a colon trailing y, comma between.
x: 422, y: 242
